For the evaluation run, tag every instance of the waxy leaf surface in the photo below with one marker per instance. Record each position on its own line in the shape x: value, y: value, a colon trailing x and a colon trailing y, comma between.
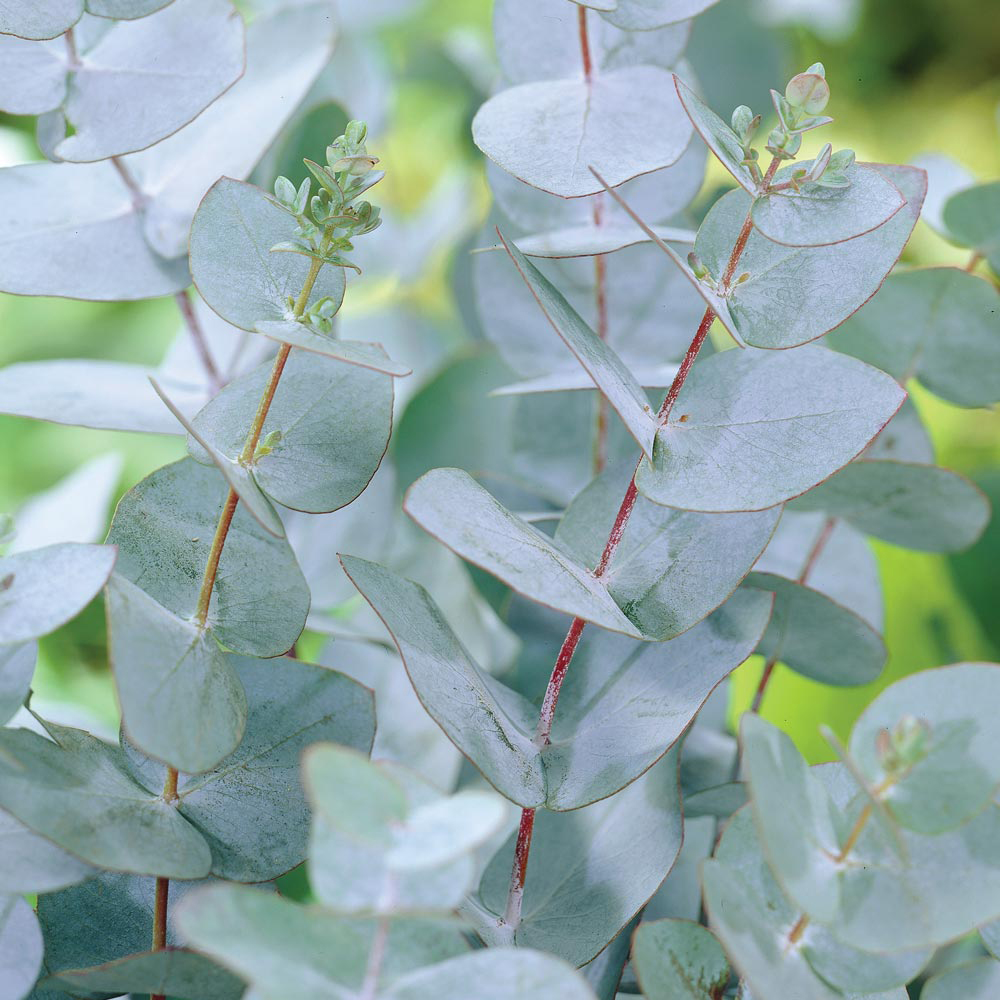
x: 752, y: 429
x: 658, y: 688
x: 454, y: 508
x: 77, y: 792
x: 330, y: 422
x: 671, y: 567
x: 591, y: 869
x: 30, y: 606
x: 232, y: 263
x: 181, y: 701
x: 575, y: 125
x: 260, y: 599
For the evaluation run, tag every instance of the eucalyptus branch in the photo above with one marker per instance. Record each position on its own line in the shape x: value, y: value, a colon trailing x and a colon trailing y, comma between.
x: 215, y: 379
x: 343, y: 180
x: 512, y: 913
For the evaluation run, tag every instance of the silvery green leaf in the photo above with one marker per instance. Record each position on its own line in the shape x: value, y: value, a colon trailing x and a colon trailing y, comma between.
x: 575, y: 379
x: 671, y: 567
x: 231, y: 261
x: 977, y: 980
x: 77, y: 793
x: 286, y: 51
x: 590, y: 870
x: 719, y: 137
x: 17, y: 667
x: 236, y: 474
x: 920, y: 507
x: 74, y: 510
x: 955, y: 775
x: 125, y: 10
x: 604, y: 973
x: 898, y: 891
x: 751, y: 429
x: 454, y: 508
x: 33, y: 864
x: 29, y: 19
x: 292, y: 952
x: 542, y: 42
x: 971, y: 217
x: 21, y: 947
x: 251, y: 807
x: 549, y: 134
x: 945, y: 177
x: 142, y: 80
x: 498, y: 974
x: 651, y: 311
x: 72, y: 230
x: 364, y: 802
x: 353, y: 352
x: 765, y: 309
x: 108, y: 395
x: 32, y: 75
x: 659, y: 197
x: 800, y: 830
x: 820, y: 216
x: 609, y: 373
x: 679, y: 960
x: 351, y: 875
x: 593, y: 240
x: 845, y: 568
x: 30, y: 606
x: 173, y: 972
x: 939, y: 325
x: 753, y: 918
x: 644, y: 15
x: 325, y: 432
x: 109, y: 916
x: 817, y: 637
x: 181, y: 701
x: 260, y: 600
x: 659, y: 687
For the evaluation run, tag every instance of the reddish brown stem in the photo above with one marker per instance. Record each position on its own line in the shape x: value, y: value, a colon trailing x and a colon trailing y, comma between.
x: 214, y: 555
x: 163, y: 884
x: 215, y: 379
x: 522, y: 850
x: 512, y: 915
x: 601, y: 304
x: 548, y: 711
x: 588, y: 68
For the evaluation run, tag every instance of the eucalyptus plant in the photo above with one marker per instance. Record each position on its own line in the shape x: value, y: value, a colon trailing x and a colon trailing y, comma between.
x: 665, y: 471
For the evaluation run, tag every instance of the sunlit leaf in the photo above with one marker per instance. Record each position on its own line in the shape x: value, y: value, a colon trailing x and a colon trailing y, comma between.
x: 21, y: 947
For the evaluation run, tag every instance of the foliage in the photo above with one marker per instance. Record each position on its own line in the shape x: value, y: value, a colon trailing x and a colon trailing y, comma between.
x: 618, y: 514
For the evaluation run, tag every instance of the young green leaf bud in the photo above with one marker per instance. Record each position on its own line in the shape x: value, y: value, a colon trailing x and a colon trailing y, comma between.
x: 808, y: 92
x: 820, y: 164
x: 697, y: 265
x: 284, y: 191
x: 745, y: 123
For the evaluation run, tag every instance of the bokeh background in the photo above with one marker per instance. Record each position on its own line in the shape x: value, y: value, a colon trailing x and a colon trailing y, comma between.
x: 908, y: 76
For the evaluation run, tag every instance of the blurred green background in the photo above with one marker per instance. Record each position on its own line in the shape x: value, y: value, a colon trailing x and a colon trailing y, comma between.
x: 908, y: 76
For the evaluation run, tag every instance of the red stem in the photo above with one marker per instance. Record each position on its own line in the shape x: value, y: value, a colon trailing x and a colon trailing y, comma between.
x: 601, y: 303
x: 512, y: 913
x: 588, y: 68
